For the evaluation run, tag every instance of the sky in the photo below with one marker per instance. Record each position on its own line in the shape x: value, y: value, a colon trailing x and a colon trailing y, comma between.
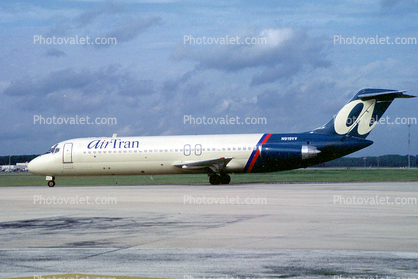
x: 162, y: 64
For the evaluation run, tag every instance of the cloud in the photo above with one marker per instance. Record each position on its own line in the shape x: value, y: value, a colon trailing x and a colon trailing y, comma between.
x: 84, y: 90
x: 409, y: 6
x: 285, y: 52
x: 55, y: 53
x: 109, y: 20
x: 129, y: 30
x: 109, y: 8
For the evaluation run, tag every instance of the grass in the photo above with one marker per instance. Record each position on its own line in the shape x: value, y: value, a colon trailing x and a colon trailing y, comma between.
x: 293, y: 176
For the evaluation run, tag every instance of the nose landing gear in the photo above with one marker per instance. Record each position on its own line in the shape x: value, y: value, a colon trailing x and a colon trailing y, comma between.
x: 51, y: 181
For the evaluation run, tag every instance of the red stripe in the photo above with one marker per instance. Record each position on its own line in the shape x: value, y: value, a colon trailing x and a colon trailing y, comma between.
x: 257, y: 153
x: 266, y: 139
x: 253, y: 161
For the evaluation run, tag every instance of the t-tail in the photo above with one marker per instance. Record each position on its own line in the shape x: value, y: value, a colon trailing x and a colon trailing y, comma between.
x: 361, y: 114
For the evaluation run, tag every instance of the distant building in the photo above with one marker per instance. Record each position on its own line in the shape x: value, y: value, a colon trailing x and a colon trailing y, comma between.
x: 13, y: 168
x: 22, y: 166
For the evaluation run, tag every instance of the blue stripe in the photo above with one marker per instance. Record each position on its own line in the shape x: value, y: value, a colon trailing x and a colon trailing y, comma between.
x: 253, y: 153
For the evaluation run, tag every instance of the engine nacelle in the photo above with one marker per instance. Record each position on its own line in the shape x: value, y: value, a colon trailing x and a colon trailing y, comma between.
x: 309, y: 151
x: 279, y: 152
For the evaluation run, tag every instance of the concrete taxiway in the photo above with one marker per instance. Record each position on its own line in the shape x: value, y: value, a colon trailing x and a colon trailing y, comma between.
x: 185, y: 231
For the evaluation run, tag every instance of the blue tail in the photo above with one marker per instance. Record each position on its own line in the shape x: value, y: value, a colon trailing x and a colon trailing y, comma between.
x: 359, y: 116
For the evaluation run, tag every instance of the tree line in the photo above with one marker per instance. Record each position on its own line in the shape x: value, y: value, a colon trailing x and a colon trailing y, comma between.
x: 4, y: 160
x: 398, y: 161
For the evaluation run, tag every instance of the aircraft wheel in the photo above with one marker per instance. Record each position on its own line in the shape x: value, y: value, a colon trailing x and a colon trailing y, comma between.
x: 51, y: 183
x: 215, y: 179
x: 225, y: 179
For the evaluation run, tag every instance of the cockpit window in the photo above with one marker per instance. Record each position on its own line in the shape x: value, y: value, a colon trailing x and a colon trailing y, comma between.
x: 57, y: 149
x: 52, y: 150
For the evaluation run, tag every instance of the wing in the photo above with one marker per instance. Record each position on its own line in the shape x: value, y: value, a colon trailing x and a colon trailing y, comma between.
x: 216, y: 165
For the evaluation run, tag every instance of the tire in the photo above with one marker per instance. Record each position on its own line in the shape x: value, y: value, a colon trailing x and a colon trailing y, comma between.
x: 51, y: 183
x: 215, y: 179
x: 225, y: 179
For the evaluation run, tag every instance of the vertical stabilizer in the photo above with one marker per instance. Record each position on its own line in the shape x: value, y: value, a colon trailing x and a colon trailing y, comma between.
x: 360, y: 115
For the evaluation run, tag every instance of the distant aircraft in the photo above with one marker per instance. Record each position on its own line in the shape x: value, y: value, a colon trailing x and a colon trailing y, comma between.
x: 218, y: 155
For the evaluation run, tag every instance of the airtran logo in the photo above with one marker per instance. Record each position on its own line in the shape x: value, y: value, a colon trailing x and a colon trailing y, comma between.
x: 113, y: 143
x: 357, y: 112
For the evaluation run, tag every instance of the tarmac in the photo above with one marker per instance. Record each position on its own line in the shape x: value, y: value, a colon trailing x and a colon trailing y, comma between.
x: 331, y: 230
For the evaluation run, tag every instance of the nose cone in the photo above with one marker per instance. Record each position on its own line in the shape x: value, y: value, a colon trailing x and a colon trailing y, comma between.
x: 37, y: 165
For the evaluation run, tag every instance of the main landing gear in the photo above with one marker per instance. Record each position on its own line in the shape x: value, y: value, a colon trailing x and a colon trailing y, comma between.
x: 216, y: 179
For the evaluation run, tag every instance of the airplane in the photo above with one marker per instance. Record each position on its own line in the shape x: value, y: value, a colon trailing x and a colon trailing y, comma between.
x: 218, y: 155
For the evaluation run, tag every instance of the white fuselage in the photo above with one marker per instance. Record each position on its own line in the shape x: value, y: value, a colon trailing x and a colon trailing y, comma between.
x: 143, y: 155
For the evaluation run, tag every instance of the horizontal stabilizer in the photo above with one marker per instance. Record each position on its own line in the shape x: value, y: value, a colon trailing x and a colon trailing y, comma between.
x: 388, y: 95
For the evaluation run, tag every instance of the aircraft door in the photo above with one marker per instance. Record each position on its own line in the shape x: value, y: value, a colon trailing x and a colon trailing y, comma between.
x: 67, y: 155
